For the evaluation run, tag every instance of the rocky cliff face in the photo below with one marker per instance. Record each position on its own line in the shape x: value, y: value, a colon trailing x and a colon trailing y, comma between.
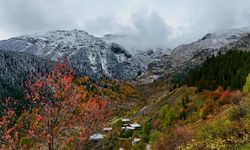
x: 190, y: 55
x: 89, y: 55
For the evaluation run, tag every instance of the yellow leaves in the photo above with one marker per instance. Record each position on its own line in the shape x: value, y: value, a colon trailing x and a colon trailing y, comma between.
x: 82, y: 80
x: 81, y: 92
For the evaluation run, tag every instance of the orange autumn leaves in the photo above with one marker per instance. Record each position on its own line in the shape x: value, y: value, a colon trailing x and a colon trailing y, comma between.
x: 61, y: 113
x: 226, y: 96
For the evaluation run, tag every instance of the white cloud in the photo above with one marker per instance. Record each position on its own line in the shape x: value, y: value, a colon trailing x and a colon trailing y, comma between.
x: 146, y: 22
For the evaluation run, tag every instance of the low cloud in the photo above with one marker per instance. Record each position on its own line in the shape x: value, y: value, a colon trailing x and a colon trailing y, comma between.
x: 146, y: 30
x: 147, y: 23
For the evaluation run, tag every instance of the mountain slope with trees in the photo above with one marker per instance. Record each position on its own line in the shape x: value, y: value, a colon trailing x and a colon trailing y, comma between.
x: 227, y: 70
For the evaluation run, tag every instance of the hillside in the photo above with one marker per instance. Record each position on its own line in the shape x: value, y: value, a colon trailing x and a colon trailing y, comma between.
x: 16, y: 68
x: 190, y: 118
x: 227, y: 70
x: 200, y: 102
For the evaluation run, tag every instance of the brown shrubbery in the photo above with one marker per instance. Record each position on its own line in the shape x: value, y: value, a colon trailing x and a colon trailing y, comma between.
x: 175, y: 138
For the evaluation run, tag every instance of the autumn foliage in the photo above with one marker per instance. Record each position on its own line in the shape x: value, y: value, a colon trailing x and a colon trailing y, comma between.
x: 61, y: 114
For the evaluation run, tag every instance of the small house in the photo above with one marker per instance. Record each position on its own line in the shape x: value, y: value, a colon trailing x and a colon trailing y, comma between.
x: 135, y: 125
x: 96, y: 137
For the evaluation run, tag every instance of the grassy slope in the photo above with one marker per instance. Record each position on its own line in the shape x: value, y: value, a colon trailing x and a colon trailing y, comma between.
x: 199, y: 125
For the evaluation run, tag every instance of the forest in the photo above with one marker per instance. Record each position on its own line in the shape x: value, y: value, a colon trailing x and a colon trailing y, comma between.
x: 227, y: 70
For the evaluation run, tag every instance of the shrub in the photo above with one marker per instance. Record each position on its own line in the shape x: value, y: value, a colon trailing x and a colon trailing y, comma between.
x: 126, y: 144
x: 237, y: 113
x: 154, y: 137
x: 208, y: 108
x: 222, y: 134
x: 193, y: 117
x: 215, y: 129
x: 247, y: 108
x: 214, y: 95
x: 168, y: 115
x: 246, y: 87
x: 236, y: 97
x: 126, y: 134
x: 146, y: 132
x: 177, y: 137
x: 139, y: 146
x: 118, y: 124
x: 225, y: 97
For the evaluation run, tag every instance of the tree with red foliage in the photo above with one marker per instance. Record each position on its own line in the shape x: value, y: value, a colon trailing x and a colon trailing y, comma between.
x: 61, y: 114
x: 216, y: 93
x: 7, y: 126
x: 225, y: 97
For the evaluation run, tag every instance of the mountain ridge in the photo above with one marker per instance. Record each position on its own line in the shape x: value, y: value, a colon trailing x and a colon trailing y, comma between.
x: 187, y: 56
x: 102, y: 58
x: 89, y: 55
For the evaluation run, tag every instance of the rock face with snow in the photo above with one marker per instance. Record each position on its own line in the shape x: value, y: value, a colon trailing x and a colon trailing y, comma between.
x: 89, y: 55
x: 211, y: 44
x: 151, y: 55
x: 144, y: 56
x: 190, y: 55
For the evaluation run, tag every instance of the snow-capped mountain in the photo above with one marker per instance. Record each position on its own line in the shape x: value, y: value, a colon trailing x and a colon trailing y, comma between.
x: 190, y: 55
x: 212, y: 43
x: 101, y: 57
x: 89, y: 55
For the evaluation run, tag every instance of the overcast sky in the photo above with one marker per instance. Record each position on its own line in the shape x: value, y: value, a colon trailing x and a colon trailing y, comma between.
x: 148, y: 22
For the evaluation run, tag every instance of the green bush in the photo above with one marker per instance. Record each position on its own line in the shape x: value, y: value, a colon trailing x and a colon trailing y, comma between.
x: 246, y: 87
x: 139, y: 146
x: 146, y: 132
x: 221, y: 134
x: 118, y: 124
x: 167, y: 114
x: 126, y: 134
x: 154, y: 137
x: 193, y: 117
x: 216, y: 129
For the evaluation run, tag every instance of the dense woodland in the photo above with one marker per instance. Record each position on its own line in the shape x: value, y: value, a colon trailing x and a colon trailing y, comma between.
x: 227, y: 70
